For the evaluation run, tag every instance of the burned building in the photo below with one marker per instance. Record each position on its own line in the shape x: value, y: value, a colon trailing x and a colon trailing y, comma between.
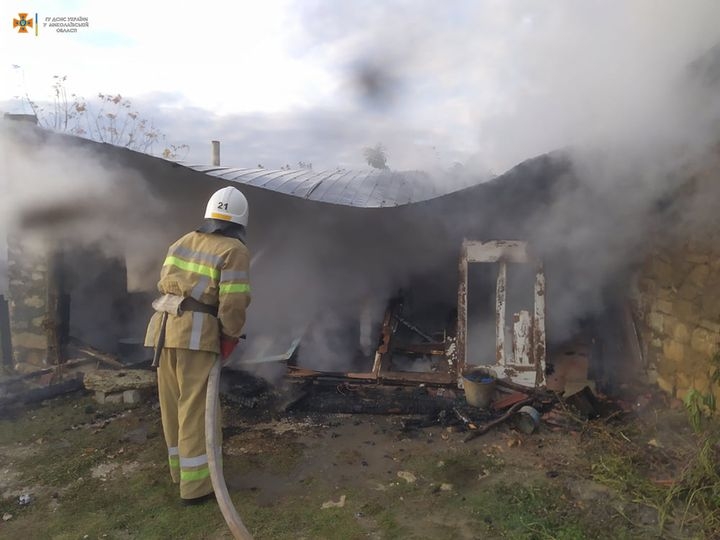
x: 371, y: 276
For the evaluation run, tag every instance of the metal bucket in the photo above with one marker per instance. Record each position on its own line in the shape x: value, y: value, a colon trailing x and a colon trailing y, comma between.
x: 479, y: 385
x: 527, y: 419
x: 132, y: 350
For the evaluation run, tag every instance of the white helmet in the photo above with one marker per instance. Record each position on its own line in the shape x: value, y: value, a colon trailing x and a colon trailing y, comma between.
x: 228, y: 204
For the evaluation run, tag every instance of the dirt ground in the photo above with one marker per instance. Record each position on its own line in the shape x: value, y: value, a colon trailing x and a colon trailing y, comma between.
x: 99, y: 471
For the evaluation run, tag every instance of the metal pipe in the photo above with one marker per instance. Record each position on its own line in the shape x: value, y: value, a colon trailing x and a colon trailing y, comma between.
x: 216, y: 153
x: 414, y: 328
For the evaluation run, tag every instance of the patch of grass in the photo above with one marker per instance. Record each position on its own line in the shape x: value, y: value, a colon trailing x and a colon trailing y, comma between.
x: 389, y: 526
x: 300, y: 517
x: 529, y: 511
x: 460, y: 468
x: 622, y: 474
x: 698, y: 490
x: 281, y: 460
x: 142, y: 503
x: 689, y: 504
x: 29, y: 424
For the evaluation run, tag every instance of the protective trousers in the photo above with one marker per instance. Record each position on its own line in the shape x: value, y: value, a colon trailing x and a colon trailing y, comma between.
x: 182, y: 385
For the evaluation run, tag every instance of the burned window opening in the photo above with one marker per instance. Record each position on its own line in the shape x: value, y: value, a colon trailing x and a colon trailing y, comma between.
x: 528, y: 331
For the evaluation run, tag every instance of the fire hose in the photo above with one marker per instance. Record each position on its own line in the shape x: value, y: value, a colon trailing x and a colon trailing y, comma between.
x: 213, y: 446
x: 214, y: 453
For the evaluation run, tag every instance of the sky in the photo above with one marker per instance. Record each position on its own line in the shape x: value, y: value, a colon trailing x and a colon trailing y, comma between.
x: 484, y: 83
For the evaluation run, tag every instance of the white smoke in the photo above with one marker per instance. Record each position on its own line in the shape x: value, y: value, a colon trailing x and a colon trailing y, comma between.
x: 488, y: 84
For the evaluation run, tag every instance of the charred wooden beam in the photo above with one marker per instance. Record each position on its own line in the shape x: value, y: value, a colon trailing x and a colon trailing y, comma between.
x: 300, y: 372
x: 409, y: 377
x: 103, y: 357
x: 370, y: 399
x: 40, y: 394
x: 433, y: 349
x: 34, y: 374
x: 413, y: 328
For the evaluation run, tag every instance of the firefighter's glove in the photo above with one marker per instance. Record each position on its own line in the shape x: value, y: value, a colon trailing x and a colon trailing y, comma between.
x: 227, y: 346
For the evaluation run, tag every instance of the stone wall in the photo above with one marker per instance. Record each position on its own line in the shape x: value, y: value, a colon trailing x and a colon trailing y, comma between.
x: 678, y: 304
x: 78, y: 292
x: 28, y: 305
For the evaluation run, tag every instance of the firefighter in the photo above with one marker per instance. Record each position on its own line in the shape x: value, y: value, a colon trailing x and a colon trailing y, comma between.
x: 201, y: 313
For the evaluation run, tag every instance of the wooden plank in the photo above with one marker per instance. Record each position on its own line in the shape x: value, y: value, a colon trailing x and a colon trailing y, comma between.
x: 497, y: 250
x: 500, y: 297
x: 522, y: 338
x: 461, y: 333
x: 418, y: 377
x: 539, y: 337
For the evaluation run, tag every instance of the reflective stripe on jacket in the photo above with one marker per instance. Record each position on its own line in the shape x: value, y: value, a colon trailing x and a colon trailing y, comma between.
x: 212, y: 269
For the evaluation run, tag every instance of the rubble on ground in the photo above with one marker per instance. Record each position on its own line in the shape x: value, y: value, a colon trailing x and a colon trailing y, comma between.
x: 123, y: 386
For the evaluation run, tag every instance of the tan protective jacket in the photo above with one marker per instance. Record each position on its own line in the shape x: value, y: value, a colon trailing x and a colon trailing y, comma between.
x: 212, y: 269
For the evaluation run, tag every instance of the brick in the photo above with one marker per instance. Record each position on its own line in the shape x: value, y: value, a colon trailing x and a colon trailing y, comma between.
x: 650, y: 376
x: 701, y: 383
x: 710, y: 306
x: 656, y: 322
x: 114, y: 398
x: 110, y: 380
x: 664, y: 306
x: 29, y: 340
x: 100, y: 397
x: 669, y: 324
x: 703, y: 341
x: 688, y: 291
x: 131, y: 396
x: 647, y: 286
x: 699, y: 275
x: 34, y: 301
x: 663, y: 271
x: 711, y: 326
x: 674, y: 351
x: 667, y: 293
x: 666, y: 367
x: 681, y: 333
x: 697, y: 258
x: 683, y: 381
x: 686, y: 311
x: 695, y: 362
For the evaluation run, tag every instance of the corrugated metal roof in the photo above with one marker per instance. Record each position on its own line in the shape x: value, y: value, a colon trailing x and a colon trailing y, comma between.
x: 367, y: 189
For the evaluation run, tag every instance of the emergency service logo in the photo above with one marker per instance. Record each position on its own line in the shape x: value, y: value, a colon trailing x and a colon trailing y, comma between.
x: 22, y: 23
